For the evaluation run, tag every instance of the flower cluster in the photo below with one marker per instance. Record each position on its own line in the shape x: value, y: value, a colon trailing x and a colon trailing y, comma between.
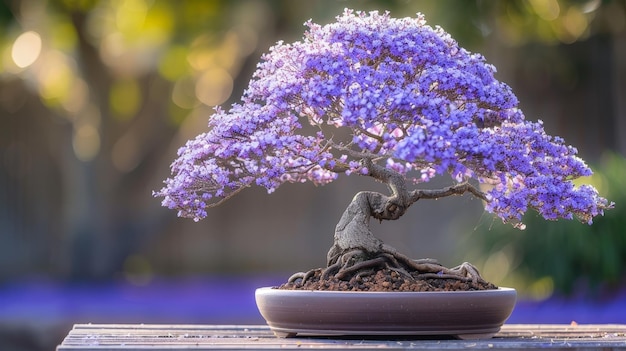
x: 374, y: 87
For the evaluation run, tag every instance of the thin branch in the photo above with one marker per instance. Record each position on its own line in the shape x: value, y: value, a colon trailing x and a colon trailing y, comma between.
x: 357, y: 154
x: 371, y: 135
x: 457, y: 189
x: 223, y: 199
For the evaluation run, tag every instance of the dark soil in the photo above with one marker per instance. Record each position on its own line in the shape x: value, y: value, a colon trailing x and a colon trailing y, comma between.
x: 386, y: 280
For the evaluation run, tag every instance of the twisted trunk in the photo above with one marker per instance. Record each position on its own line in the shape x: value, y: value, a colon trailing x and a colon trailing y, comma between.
x: 356, y: 253
x: 353, y: 230
x: 353, y: 233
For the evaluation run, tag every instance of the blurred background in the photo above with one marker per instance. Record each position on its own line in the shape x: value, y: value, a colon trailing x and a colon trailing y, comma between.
x: 97, y: 96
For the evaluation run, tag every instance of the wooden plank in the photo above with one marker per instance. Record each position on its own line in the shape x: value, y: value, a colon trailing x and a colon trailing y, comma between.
x: 153, y: 337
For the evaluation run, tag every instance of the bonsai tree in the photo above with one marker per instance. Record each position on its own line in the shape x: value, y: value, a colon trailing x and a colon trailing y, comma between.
x: 394, y: 100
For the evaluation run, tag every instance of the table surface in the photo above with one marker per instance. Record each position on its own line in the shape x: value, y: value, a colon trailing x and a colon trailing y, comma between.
x: 245, y: 337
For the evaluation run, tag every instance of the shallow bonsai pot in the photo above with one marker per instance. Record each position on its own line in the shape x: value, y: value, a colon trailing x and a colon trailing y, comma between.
x: 462, y: 314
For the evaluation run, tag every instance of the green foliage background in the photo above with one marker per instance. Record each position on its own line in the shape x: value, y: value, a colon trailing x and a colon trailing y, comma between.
x: 565, y: 256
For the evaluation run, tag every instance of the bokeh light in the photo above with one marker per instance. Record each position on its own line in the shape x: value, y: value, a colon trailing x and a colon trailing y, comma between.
x: 86, y: 142
x: 214, y: 86
x: 55, y: 76
x: 26, y: 49
x: 125, y: 98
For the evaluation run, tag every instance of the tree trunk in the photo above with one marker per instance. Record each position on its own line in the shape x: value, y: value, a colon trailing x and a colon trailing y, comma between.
x: 353, y: 230
x: 353, y: 234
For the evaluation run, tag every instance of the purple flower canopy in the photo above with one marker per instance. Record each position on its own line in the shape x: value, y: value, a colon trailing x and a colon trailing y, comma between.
x: 393, y: 91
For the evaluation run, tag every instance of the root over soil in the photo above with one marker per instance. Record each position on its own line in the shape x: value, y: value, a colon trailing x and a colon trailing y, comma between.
x: 385, y: 280
x: 358, y: 261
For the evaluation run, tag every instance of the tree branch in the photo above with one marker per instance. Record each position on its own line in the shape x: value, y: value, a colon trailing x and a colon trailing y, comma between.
x: 394, y: 180
x: 400, y: 199
x: 457, y: 189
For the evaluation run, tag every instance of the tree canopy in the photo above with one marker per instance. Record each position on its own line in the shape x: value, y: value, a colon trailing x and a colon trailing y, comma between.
x: 370, y: 90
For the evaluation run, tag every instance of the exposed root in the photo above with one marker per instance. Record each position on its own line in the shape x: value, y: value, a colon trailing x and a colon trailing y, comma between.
x: 304, y: 276
x: 356, y: 265
x: 348, y: 271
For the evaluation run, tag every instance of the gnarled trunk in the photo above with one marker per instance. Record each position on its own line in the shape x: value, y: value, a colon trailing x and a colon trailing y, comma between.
x: 357, y: 252
x: 353, y: 230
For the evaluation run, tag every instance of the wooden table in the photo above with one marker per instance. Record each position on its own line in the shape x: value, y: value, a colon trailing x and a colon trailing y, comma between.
x: 239, y: 337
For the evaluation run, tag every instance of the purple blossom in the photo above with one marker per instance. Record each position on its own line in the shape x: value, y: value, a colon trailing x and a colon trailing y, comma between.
x: 404, y: 93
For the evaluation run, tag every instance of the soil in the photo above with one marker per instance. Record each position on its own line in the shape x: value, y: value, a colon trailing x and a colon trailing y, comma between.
x: 386, y: 280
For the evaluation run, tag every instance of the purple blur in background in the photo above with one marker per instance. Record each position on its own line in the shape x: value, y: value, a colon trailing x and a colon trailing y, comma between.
x: 224, y: 300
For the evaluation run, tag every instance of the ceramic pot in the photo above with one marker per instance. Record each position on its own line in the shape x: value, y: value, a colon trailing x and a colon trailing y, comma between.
x: 463, y: 314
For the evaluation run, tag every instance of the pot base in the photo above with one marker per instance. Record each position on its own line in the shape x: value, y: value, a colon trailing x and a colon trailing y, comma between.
x: 462, y: 314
